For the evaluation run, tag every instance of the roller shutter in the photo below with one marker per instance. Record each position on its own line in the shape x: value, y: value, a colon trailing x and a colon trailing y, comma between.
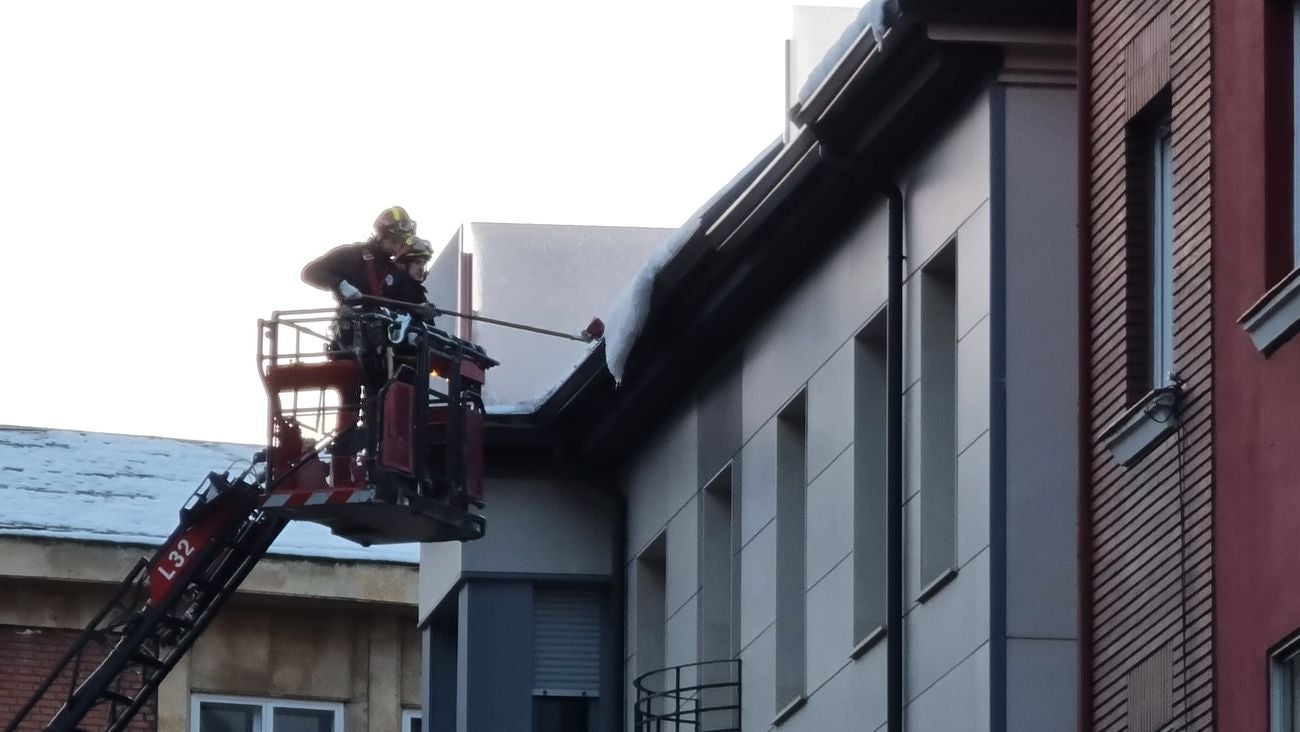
x: 566, y: 642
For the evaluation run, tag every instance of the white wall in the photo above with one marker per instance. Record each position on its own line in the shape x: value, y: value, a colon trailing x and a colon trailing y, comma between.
x: 555, y: 277
x: 535, y: 526
x: 808, y: 343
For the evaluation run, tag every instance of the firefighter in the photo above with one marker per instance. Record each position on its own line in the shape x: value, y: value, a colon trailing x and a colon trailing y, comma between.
x: 366, y: 268
x: 411, y: 267
x: 350, y: 271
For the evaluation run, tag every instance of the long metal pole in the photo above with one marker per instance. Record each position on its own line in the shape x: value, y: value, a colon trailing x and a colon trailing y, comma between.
x: 436, y: 311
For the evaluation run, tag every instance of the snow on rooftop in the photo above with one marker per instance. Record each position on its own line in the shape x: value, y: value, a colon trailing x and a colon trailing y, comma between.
x: 86, y: 486
x: 627, y: 316
x: 873, y: 16
x: 528, y: 406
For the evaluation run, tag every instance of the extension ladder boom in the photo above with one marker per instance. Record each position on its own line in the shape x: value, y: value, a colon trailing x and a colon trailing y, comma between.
x: 158, y: 611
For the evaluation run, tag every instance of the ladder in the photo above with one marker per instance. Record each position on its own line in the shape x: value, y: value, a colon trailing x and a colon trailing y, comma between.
x: 158, y: 611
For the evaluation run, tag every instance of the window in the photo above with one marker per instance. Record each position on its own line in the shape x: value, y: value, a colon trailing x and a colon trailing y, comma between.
x: 412, y: 720
x: 791, y: 585
x: 651, y: 597
x: 1162, y: 256
x: 869, y: 503
x: 1284, y: 688
x: 719, y: 605
x: 1149, y: 255
x: 938, y: 420
x: 241, y: 714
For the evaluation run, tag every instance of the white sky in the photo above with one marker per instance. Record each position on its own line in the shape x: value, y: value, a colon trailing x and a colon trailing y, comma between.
x: 166, y: 168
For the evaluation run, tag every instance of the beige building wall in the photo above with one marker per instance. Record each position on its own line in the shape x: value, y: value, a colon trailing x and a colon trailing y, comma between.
x: 355, y: 642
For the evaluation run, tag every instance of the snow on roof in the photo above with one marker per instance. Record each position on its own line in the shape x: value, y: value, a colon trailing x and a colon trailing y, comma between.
x: 528, y: 406
x: 874, y: 16
x: 627, y: 316
x: 87, y: 486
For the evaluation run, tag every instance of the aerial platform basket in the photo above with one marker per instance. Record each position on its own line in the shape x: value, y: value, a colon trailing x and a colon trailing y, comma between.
x: 375, y: 426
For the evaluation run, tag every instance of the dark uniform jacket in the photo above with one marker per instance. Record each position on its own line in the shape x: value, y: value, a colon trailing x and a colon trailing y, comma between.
x: 405, y: 289
x: 364, y: 265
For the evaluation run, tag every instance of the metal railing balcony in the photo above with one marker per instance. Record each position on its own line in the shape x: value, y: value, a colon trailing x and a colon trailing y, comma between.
x: 694, y: 697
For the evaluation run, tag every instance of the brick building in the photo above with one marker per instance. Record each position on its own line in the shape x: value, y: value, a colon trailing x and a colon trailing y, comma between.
x: 1148, y: 373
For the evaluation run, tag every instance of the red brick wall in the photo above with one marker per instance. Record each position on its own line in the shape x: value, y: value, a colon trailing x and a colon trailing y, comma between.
x: 26, y: 656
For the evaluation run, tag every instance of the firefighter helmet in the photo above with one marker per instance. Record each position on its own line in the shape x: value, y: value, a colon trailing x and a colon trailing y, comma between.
x: 416, y: 249
x: 394, y: 219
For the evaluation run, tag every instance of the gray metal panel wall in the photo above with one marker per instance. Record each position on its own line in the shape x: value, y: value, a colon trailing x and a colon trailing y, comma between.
x: 494, y: 674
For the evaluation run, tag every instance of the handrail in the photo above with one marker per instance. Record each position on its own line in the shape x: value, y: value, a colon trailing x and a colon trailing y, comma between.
x: 707, y: 700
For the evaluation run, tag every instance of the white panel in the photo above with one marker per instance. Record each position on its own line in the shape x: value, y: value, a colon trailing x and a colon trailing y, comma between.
x: 647, y: 502
x: 948, y: 185
x: 440, y: 566
x: 544, y: 527
x: 557, y: 276
x: 758, y: 482
x: 681, y: 640
x: 829, y: 707
x: 867, y: 680
x: 1042, y: 684
x: 973, y: 500
x: 911, y: 332
x: 912, y: 440
x: 758, y: 584
x: 758, y: 687
x: 973, y: 384
x: 973, y: 264
x: 820, y: 316
x: 830, y: 626
x: 960, y: 701
x: 662, y: 479
x: 830, y: 519
x: 683, y: 556
x: 911, y: 549
x: 948, y: 626
x: 830, y: 410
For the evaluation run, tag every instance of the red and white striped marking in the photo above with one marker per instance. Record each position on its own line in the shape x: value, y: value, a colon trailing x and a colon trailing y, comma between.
x: 325, y: 497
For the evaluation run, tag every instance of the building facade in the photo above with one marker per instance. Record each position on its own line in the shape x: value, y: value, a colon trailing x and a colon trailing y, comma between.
x: 321, y: 637
x: 1148, y: 407
x: 795, y: 510
x: 1257, y: 605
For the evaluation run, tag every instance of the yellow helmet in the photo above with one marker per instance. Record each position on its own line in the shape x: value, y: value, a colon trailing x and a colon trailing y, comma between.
x: 416, y: 248
x: 394, y: 219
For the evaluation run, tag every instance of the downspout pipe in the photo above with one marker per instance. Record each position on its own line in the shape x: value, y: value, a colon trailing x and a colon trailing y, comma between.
x: 894, y: 464
x: 894, y: 601
x: 1083, y: 23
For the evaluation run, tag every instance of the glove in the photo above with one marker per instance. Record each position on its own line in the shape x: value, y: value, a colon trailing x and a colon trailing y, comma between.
x: 348, y: 290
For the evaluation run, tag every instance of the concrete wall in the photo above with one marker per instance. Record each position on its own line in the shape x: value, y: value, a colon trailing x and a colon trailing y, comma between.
x: 536, y: 527
x: 94, y: 562
x: 556, y: 277
x: 363, y: 655
x: 1042, y: 398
